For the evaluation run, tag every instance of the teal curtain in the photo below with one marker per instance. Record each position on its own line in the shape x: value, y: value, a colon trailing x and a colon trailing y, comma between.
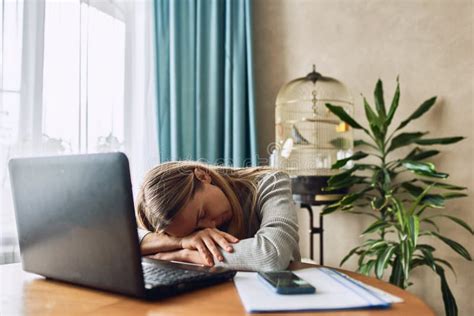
x: 206, y: 107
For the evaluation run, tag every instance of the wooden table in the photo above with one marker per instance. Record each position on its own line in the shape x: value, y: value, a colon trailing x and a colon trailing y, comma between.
x: 24, y: 293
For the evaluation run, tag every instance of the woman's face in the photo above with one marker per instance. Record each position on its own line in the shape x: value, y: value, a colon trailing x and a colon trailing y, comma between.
x: 208, y: 208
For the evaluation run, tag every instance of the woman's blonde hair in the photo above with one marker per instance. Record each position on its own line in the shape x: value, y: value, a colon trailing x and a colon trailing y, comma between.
x: 167, y: 187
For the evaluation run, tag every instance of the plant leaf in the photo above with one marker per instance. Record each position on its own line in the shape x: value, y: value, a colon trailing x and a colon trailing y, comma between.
x: 405, y: 258
x: 386, y: 180
x: 328, y: 209
x: 376, y: 178
x: 429, y: 221
x: 414, y: 190
x: 364, y: 213
x: 413, y: 225
x: 433, y: 200
x: 342, y: 114
x: 418, y: 154
x: 453, y: 195
x: 341, y: 143
x: 439, y: 141
x: 362, y: 255
x: 446, y: 186
x: 446, y: 263
x: 376, y: 123
x: 347, y: 208
x: 419, y: 166
x: 377, y: 203
x: 425, y: 154
x: 353, y: 250
x: 342, y: 162
x: 400, y: 211
x: 382, y: 261
x: 370, y: 242
x: 360, y: 142
x: 425, y: 106
x: 394, y: 106
x: 341, y: 176
x: 428, y: 257
x: 375, y: 226
x: 423, y: 168
x: 397, y: 277
x: 378, y: 244
x: 456, y: 220
x: 454, y: 245
x: 344, y: 174
x: 350, y: 198
x: 419, y: 199
x: 425, y: 246
x: 450, y: 306
x: 379, y: 101
x: 439, y: 175
x: 421, y: 210
x: 344, y: 183
x: 370, y: 265
x: 417, y: 261
x: 404, y: 139
x: 366, y: 267
x: 372, y: 118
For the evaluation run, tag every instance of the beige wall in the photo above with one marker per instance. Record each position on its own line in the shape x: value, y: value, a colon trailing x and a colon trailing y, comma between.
x: 429, y: 44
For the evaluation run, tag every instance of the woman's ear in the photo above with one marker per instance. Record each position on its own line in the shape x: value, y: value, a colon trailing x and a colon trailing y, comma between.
x: 202, y: 175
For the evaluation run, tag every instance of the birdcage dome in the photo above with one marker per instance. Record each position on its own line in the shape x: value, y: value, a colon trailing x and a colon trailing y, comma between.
x: 306, y: 89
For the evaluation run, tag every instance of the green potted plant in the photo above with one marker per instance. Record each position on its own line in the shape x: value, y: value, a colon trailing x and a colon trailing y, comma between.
x: 405, y: 195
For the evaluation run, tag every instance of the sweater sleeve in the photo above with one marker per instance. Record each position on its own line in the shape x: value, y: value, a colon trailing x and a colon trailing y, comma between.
x: 141, y: 234
x: 275, y: 243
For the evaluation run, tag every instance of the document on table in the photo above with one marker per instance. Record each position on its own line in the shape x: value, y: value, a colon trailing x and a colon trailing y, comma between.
x: 334, y: 290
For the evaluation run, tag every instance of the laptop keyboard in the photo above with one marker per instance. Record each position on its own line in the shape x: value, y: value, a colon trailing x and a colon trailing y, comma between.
x: 156, y: 276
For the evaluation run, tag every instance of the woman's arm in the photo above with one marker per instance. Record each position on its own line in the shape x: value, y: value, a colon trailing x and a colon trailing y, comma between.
x: 206, y: 242
x: 152, y: 243
x: 275, y: 243
x: 184, y: 255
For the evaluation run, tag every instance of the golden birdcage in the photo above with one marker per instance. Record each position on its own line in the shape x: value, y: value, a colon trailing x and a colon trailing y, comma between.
x: 309, y: 138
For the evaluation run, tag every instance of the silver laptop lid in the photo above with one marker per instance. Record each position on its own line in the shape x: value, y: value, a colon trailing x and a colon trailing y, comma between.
x: 76, y: 222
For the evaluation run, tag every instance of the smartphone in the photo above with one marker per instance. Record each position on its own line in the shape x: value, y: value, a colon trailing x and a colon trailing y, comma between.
x: 286, y: 282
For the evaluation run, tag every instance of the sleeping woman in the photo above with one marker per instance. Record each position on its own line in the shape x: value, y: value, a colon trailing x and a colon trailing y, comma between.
x: 238, y: 218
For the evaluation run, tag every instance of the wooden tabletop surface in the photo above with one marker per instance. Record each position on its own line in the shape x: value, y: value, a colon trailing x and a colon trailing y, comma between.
x: 24, y: 293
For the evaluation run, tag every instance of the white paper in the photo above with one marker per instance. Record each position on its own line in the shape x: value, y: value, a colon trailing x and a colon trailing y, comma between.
x: 333, y: 291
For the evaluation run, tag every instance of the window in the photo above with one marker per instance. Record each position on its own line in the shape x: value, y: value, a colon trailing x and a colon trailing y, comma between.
x: 80, y: 104
x: 11, y: 29
x: 83, y: 79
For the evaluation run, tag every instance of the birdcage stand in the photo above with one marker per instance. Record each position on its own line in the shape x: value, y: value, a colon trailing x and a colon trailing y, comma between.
x: 312, y: 230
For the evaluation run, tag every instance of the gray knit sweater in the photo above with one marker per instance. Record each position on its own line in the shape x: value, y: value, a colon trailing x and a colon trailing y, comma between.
x: 272, y: 241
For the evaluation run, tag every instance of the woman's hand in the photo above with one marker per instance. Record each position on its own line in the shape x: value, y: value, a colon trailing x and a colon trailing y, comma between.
x: 205, y: 241
x: 184, y: 255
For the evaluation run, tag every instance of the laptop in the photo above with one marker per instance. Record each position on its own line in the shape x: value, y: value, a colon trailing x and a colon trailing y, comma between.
x: 76, y: 223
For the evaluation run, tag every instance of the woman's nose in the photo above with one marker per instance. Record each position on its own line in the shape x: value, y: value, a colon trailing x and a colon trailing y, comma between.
x: 206, y: 223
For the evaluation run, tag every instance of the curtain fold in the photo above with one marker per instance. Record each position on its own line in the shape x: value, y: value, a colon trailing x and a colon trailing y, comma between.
x: 140, y: 95
x: 206, y: 107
